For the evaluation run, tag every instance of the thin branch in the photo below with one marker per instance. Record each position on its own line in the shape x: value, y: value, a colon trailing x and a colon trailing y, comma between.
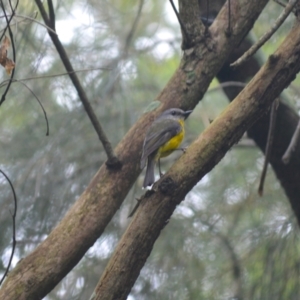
x: 13, y: 48
x: 54, y: 75
x: 229, y: 31
x: 37, y: 99
x: 134, y: 26
x: 292, y: 146
x: 280, y: 3
x: 269, y: 145
x: 289, y: 7
x: 31, y: 19
x: 51, y: 14
x: 5, y: 16
x: 14, y: 214
x: 112, y: 162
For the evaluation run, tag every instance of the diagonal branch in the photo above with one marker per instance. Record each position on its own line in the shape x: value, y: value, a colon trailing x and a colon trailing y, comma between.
x: 51, y: 15
x: 112, y: 162
x: 192, y: 27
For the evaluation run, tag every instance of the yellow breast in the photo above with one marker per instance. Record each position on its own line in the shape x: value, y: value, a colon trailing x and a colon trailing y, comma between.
x: 171, y: 145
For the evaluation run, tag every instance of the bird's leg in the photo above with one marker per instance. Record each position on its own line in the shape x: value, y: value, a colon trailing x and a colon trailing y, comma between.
x: 181, y: 149
x: 160, y: 173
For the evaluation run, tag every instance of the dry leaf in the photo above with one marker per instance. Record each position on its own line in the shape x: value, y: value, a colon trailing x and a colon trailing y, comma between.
x: 6, y: 62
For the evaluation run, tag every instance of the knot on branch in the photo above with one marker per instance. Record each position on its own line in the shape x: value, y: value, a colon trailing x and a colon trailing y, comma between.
x: 167, y: 186
x: 113, y: 164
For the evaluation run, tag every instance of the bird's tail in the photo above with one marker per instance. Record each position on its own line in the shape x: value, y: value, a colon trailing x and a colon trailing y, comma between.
x: 149, y: 176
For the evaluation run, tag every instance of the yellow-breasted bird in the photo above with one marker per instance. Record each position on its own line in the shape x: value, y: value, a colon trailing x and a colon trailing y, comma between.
x: 163, y: 137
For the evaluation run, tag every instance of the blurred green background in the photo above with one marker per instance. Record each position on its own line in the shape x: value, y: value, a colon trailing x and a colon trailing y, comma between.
x: 222, y: 240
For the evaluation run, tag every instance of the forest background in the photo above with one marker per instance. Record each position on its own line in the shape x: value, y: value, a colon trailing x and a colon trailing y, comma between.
x: 223, y: 241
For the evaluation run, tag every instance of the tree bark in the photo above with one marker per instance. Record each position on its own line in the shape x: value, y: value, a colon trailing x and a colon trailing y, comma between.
x: 202, y: 155
x: 38, y: 273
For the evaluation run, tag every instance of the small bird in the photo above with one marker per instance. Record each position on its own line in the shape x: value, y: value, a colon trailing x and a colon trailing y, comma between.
x: 163, y: 137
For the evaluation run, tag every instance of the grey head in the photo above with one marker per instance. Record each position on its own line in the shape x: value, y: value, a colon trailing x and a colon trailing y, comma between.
x: 176, y: 113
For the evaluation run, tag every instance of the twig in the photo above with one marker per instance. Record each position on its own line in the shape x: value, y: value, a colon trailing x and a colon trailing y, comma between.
x: 292, y: 146
x: 37, y: 99
x: 112, y: 162
x: 54, y: 75
x: 269, y: 145
x: 289, y: 7
x: 135, y: 207
x: 5, y: 16
x: 134, y: 26
x: 12, y: 44
x: 228, y: 31
x: 14, y: 214
x: 31, y: 19
x: 280, y: 3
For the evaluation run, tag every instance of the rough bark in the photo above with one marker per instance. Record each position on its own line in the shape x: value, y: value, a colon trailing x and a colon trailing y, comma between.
x: 202, y: 155
x: 38, y: 273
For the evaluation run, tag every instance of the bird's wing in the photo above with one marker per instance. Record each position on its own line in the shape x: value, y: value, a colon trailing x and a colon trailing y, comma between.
x: 156, y: 136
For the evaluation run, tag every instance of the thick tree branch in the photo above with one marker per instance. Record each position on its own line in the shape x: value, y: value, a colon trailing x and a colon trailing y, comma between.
x: 157, y: 207
x: 112, y: 162
x: 40, y: 271
x: 190, y: 23
x: 182, y: 26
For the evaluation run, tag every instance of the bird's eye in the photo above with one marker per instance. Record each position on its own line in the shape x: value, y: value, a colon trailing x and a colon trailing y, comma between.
x: 173, y: 112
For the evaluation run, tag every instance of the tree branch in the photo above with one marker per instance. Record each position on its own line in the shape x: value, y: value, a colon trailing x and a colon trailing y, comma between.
x: 112, y: 162
x: 192, y: 27
x: 183, y: 30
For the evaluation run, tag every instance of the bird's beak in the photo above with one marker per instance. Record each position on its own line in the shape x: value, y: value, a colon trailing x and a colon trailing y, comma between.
x: 187, y: 113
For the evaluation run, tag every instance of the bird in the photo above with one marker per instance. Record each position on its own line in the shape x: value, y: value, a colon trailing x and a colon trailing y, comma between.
x: 164, y: 136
